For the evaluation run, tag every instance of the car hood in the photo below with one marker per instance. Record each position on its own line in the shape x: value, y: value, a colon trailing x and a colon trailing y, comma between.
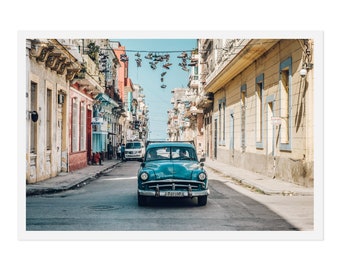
x: 177, y: 169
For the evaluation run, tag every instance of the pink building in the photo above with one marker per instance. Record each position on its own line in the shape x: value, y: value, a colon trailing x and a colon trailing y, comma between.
x: 123, y: 70
x: 80, y: 116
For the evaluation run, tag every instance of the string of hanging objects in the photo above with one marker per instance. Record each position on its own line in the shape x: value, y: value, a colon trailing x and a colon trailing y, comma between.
x: 156, y: 59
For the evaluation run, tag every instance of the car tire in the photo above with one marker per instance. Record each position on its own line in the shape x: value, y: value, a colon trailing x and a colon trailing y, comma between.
x: 142, y: 200
x: 202, y: 200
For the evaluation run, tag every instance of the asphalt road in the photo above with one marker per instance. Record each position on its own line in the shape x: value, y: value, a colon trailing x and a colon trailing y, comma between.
x: 109, y: 203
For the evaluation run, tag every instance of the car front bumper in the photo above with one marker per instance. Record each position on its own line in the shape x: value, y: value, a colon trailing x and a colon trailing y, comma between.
x: 133, y: 156
x: 174, y: 193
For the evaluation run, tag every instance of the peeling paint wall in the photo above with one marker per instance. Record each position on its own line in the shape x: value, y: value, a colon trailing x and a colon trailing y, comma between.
x: 294, y: 164
x: 44, y: 161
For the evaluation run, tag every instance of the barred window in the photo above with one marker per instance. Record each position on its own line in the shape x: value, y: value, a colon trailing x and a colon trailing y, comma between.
x: 285, y: 104
x: 259, y: 110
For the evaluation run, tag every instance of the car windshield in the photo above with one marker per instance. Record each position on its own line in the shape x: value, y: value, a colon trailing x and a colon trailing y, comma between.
x: 171, y: 153
x: 133, y: 145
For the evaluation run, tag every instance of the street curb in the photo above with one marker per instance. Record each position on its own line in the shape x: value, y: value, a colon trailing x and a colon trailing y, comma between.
x: 78, y: 184
x: 238, y: 180
x: 243, y: 182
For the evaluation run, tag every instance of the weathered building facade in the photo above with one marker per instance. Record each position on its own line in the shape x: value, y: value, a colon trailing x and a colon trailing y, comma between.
x: 186, y: 118
x: 50, y: 67
x: 139, y: 111
x: 93, y: 102
x: 262, y: 114
x: 74, y: 104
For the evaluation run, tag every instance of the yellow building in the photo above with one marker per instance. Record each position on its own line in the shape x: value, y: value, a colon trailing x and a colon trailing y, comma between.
x: 262, y: 115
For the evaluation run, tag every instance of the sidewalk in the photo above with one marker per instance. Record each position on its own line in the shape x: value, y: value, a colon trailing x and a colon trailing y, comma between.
x: 259, y: 182
x: 66, y: 181
x: 262, y: 183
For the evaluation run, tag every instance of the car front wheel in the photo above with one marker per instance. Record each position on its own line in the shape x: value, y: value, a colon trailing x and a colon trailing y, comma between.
x: 141, y: 200
x: 202, y: 200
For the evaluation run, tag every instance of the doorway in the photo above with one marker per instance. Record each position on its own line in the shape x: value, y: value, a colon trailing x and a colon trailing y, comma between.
x: 89, y: 135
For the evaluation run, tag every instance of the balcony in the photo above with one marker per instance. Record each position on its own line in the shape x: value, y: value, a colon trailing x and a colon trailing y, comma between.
x: 193, y: 82
x: 238, y: 55
x: 55, y: 56
x: 89, y: 78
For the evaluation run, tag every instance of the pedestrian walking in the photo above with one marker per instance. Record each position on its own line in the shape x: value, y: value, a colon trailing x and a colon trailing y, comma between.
x: 123, y: 152
x: 110, y: 150
x: 119, y: 149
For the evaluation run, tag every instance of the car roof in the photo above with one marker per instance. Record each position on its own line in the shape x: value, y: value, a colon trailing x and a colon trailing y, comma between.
x: 169, y: 144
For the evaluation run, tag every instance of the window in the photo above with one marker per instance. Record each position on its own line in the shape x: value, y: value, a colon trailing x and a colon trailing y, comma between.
x: 221, y: 120
x: 259, y: 110
x: 82, y: 127
x: 285, y: 104
x: 75, y: 125
x: 243, y: 117
x: 33, y: 139
x: 49, y: 119
x: 196, y: 72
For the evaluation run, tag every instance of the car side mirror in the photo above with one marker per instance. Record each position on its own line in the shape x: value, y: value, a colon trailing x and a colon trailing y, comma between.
x: 142, y: 164
x: 202, y: 159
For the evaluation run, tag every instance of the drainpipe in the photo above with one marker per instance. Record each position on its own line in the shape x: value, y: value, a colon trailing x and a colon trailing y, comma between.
x: 274, y: 167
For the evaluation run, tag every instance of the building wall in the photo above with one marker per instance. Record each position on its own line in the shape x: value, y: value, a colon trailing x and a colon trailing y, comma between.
x: 294, y: 164
x: 44, y: 163
x: 78, y: 159
x: 122, y: 71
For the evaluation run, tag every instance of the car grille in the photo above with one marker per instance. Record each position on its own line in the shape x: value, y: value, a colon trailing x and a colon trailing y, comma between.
x: 174, y: 185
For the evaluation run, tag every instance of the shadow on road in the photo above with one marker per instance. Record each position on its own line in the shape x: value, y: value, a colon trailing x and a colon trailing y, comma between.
x: 224, y: 203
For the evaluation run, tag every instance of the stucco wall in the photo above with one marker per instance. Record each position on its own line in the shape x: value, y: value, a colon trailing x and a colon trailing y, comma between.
x: 45, y: 162
x: 295, y: 164
x: 77, y: 160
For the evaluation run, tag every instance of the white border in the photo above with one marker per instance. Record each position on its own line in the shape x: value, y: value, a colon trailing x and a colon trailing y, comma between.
x: 317, y: 234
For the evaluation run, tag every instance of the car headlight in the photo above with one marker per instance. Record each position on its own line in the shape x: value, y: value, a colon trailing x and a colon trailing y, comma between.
x: 202, y: 176
x: 144, y: 176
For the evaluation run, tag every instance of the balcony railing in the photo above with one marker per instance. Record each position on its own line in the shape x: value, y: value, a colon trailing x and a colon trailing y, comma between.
x: 216, y: 63
x: 90, y: 77
x: 194, y: 82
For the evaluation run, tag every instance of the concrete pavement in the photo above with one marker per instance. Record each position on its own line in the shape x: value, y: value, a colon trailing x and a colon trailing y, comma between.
x: 259, y: 182
x: 66, y: 181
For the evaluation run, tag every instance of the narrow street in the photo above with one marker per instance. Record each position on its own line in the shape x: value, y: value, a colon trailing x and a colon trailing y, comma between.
x: 110, y: 204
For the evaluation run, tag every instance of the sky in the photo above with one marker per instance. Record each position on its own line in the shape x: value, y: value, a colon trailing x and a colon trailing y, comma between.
x: 158, y: 99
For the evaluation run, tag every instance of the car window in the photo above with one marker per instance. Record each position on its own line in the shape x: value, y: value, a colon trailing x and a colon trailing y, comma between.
x: 184, y: 153
x: 158, y: 154
x: 167, y: 153
x: 134, y: 145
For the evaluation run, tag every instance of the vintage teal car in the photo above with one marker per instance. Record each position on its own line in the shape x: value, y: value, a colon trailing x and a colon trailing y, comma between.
x: 171, y: 169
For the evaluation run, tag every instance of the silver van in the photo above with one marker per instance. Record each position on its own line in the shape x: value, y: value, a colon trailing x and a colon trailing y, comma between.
x: 135, y: 150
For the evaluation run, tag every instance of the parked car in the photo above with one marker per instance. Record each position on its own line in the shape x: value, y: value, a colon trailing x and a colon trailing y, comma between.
x: 171, y: 169
x: 134, y: 150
